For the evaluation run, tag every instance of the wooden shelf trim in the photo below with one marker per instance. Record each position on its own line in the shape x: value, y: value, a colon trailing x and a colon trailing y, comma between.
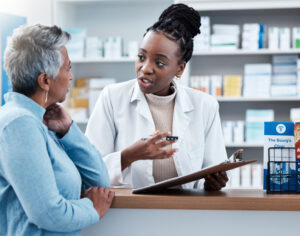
x: 200, y: 200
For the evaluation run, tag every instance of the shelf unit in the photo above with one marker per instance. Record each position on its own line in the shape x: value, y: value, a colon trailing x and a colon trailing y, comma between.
x: 253, y: 99
x: 104, y: 18
x: 127, y: 18
x: 263, y: 51
x: 103, y: 60
x: 221, y: 5
x: 270, y: 13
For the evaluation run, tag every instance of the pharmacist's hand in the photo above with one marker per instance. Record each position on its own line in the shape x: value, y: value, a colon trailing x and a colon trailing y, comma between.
x: 57, y: 119
x: 215, y: 181
x: 101, y: 198
x: 152, y: 148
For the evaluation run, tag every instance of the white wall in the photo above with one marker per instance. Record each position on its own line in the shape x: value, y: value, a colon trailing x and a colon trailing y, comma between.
x: 36, y: 11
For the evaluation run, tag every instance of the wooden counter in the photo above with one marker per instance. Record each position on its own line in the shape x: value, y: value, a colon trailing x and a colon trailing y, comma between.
x: 191, y: 212
x: 202, y: 200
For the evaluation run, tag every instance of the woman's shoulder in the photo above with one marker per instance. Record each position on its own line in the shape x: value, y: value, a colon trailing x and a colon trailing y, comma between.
x: 198, y: 97
x: 119, y: 92
x: 121, y: 87
x: 12, y: 116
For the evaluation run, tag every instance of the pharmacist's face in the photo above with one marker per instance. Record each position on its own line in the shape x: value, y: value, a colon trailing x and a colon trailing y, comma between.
x: 157, y: 63
x: 61, y: 85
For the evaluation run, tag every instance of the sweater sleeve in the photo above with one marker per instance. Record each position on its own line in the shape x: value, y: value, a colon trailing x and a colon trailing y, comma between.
x: 86, y: 157
x: 27, y: 167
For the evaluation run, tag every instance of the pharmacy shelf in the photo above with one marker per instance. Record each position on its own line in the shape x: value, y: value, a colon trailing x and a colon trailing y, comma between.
x: 247, y: 145
x: 204, y: 53
x: 229, y: 5
x: 103, y: 60
x: 243, y: 99
x: 263, y: 51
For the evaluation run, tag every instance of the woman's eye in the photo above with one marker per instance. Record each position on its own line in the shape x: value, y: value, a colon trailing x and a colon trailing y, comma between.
x: 141, y: 57
x: 160, y: 64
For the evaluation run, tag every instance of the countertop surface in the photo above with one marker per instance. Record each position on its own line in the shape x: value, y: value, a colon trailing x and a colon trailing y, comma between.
x: 202, y: 200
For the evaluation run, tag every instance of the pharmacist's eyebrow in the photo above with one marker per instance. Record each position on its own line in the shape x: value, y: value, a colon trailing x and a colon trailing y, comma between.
x: 157, y: 54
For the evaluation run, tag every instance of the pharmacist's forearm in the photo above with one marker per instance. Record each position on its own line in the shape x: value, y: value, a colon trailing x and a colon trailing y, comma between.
x: 126, y: 159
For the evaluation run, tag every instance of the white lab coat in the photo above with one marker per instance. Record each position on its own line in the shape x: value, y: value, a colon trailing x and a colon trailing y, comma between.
x: 122, y: 116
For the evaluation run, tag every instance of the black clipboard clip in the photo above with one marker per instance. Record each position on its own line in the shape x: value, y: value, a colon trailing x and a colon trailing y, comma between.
x: 236, y: 156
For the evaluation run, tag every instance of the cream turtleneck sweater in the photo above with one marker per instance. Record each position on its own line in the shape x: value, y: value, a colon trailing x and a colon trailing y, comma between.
x: 162, y: 109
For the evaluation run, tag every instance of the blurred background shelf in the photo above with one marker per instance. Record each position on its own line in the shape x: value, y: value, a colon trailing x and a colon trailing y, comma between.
x: 245, y: 99
x: 103, y: 60
x: 244, y: 145
x: 263, y: 51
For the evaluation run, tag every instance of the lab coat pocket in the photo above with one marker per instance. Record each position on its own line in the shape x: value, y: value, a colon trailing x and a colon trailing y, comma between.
x: 196, y: 158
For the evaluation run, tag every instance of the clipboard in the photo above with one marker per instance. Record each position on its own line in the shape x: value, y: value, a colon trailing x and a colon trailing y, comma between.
x: 233, y: 161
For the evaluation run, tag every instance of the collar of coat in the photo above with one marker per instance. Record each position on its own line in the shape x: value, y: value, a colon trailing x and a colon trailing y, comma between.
x: 182, y: 99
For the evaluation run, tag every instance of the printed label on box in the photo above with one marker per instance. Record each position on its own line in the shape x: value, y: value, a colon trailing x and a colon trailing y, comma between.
x: 279, y: 134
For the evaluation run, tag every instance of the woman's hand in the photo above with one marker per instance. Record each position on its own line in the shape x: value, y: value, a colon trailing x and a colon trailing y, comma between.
x: 101, y: 198
x: 57, y: 119
x: 215, y: 181
x: 152, y: 148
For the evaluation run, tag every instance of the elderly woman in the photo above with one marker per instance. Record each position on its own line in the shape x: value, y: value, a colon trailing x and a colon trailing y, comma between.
x: 45, y: 161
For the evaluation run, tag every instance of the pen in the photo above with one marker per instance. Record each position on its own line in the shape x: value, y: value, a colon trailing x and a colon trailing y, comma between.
x: 169, y: 138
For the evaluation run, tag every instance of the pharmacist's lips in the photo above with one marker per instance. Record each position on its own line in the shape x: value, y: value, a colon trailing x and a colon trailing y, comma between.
x: 145, y: 80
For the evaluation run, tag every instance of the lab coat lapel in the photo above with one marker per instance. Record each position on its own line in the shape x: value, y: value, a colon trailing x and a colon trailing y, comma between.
x: 182, y: 117
x: 142, y: 107
x: 142, y: 170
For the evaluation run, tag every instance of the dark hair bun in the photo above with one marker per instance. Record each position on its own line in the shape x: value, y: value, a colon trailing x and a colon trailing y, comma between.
x: 184, y: 15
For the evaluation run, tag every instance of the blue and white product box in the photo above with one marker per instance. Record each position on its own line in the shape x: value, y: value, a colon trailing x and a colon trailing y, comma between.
x: 76, y: 45
x: 279, y: 134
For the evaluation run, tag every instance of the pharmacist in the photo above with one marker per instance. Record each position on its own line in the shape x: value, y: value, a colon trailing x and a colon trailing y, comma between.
x: 127, y: 113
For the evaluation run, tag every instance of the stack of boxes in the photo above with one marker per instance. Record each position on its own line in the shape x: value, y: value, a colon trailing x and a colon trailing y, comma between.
x: 232, y: 86
x: 248, y: 177
x: 257, y: 80
x: 284, y: 38
x: 296, y: 37
x: 211, y: 84
x: 284, y: 79
x: 253, y: 36
x: 233, y: 131
x: 84, y: 95
x: 113, y: 47
x: 280, y: 38
x: 75, y: 46
x: 202, y: 41
x: 225, y: 37
x: 255, y: 119
x: 94, y: 47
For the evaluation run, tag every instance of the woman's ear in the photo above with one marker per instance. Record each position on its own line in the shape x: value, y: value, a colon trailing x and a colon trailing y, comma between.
x: 180, y: 69
x: 44, y: 81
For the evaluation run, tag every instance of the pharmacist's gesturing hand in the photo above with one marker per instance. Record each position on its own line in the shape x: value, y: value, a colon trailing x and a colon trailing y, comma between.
x: 215, y: 181
x: 152, y: 148
x: 101, y: 198
x: 57, y: 119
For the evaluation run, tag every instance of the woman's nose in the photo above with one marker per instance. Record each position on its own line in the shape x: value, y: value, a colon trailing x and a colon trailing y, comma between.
x: 147, y: 68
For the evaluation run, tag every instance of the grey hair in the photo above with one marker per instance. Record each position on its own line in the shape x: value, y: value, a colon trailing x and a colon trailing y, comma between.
x: 33, y: 50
